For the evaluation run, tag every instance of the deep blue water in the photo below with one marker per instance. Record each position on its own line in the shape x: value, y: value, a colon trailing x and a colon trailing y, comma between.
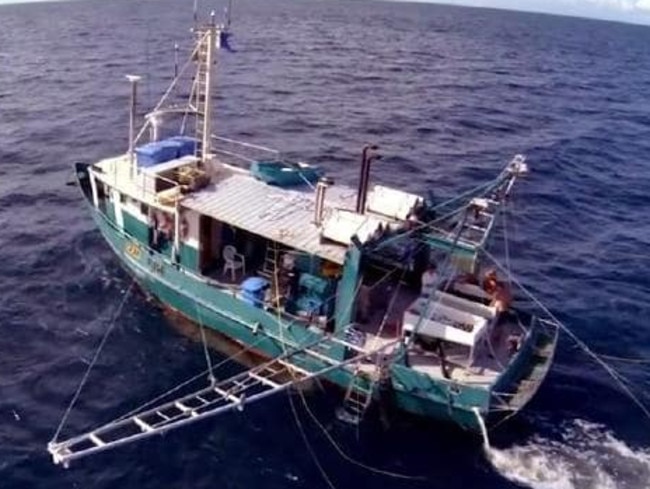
x: 450, y: 94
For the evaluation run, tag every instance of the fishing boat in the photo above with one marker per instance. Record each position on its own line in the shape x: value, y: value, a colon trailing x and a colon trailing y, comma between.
x: 387, y: 294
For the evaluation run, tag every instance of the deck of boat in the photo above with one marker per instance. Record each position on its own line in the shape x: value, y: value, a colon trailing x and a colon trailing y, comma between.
x: 490, y: 361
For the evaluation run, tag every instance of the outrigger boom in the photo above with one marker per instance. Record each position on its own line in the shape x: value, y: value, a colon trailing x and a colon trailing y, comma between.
x: 272, y: 377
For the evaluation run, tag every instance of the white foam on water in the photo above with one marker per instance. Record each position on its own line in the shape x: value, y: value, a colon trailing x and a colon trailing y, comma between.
x: 587, y: 456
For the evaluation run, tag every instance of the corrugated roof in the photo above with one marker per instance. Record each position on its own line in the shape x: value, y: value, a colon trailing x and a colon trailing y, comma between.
x: 280, y: 214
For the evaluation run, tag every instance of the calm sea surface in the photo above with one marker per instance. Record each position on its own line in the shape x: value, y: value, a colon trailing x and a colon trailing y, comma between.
x: 450, y: 94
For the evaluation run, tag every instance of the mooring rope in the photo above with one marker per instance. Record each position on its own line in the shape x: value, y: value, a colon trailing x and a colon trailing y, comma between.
x: 111, y: 325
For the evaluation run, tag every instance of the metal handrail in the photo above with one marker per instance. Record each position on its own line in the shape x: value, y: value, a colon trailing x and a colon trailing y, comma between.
x: 147, y: 195
x: 242, y: 152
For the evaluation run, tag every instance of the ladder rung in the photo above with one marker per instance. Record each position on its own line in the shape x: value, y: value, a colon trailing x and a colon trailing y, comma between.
x: 163, y: 416
x: 355, y: 402
x: 271, y: 370
x: 348, y: 345
x: 294, y: 367
x: 475, y: 228
x: 358, y: 394
x: 227, y: 395
x: 361, y: 387
x: 320, y: 356
x: 179, y: 405
x: 354, y: 411
x: 264, y: 380
x: 142, y: 425
x: 96, y: 440
x: 240, y: 384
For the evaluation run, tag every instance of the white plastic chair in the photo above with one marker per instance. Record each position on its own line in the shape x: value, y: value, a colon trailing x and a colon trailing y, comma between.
x: 233, y: 261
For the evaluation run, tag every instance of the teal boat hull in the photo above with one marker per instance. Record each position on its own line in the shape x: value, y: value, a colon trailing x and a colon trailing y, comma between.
x: 205, y: 303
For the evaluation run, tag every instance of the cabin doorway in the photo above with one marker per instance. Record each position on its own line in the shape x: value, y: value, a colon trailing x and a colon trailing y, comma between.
x: 210, y: 237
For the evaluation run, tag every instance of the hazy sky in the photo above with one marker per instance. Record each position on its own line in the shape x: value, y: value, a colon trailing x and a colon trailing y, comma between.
x: 626, y: 10
x: 637, y: 11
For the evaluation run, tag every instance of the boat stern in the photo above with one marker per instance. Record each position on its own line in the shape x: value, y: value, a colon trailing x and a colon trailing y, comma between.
x: 518, y: 384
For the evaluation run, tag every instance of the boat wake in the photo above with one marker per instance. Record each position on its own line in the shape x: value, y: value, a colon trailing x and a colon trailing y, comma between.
x: 587, y: 456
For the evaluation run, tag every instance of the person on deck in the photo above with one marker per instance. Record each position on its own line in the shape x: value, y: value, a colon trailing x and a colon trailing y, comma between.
x: 498, y: 291
x: 429, y: 279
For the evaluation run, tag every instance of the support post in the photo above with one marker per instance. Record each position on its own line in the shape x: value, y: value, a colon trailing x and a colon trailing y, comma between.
x: 133, y: 79
x: 207, y: 92
x: 176, y: 251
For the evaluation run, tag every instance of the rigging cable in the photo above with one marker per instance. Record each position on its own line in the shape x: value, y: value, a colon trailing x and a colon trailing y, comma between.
x: 111, y: 325
x: 206, y: 352
x: 328, y: 436
x: 189, y: 381
x: 506, y: 247
x: 619, y: 378
x: 485, y: 187
x: 642, y: 361
x: 308, y: 445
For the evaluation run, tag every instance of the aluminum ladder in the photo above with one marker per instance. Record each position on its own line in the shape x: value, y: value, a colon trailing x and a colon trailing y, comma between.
x: 234, y: 393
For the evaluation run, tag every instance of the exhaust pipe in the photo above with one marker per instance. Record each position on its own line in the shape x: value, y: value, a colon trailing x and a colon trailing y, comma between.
x: 319, y: 208
x: 364, y: 177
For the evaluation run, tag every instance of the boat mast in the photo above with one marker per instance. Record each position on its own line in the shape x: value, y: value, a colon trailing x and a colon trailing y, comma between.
x: 208, y: 37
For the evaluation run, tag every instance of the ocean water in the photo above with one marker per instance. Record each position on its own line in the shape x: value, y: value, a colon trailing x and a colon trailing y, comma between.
x: 449, y: 94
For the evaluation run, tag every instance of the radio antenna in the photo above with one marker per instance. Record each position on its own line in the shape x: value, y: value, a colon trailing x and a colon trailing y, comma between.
x: 228, y: 13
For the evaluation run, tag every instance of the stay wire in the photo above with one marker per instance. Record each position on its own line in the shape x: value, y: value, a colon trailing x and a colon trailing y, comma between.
x: 642, y: 361
x: 111, y: 325
x: 609, y: 369
x: 189, y: 381
x: 308, y: 445
x: 323, y: 429
x: 481, y: 189
x: 206, y: 352
x: 505, y: 241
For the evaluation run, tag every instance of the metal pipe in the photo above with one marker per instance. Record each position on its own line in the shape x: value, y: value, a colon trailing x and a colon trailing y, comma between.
x: 321, y: 188
x: 366, y: 182
x: 360, y: 185
x: 363, y: 175
x: 176, y: 60
x: 213, y: 34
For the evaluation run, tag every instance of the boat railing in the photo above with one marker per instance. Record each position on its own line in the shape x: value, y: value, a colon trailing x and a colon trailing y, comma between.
x: 268, y: 306
x: 151, y: 191
x: 241, y: 154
